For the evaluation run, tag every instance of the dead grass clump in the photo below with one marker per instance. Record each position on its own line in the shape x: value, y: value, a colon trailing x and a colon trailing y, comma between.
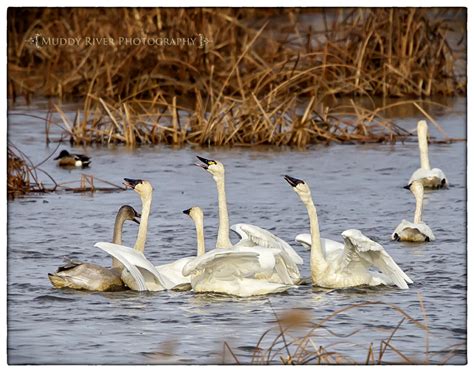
x: 22, y: 177
x: 264, y: 123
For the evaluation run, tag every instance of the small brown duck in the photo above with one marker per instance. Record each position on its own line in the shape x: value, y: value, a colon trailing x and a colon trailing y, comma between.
x: 72, y: 160
x: 92, y: 277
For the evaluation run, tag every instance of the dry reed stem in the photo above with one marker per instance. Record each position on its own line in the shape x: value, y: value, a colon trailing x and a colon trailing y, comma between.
x: 293, y: 349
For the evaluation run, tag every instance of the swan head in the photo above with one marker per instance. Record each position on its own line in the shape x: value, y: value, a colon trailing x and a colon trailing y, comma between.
x: 142, y: 187
x: 422, y: 127
x: 195, y: 213
x: 214, y: 167
x: 129, y: 213
x: 300, y: 187
x: 62, y: 154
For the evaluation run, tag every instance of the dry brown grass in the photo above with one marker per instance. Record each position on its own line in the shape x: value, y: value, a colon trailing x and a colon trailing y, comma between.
x: 297, y: 339
x: 266, y: 77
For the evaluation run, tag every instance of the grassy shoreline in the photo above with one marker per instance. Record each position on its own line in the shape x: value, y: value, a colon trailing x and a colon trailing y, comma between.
x: 265, y: 76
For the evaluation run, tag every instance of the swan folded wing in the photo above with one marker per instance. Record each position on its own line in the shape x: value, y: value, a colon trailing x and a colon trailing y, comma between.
x: 361, y: 249
x: 328, y: 246
x: 227, y: 261
x: 265, y: 238
x: 131, y: 257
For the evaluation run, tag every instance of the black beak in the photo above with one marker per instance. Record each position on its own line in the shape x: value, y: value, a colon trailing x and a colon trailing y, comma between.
x: 136, y: 221
x: 407, y: 187
x: 293, y: 181
x: 57, y: 157
x: 187, y: 211
x: 131, y: 183
x: 206, y: 162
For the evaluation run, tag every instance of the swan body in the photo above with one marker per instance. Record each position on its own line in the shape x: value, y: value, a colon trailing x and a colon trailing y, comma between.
x: 231, y: 272
x: 72, y: 160
x: 430, y: 177
x: 338, y: 253
x: 337, y: 267
x: 92, y: 277
x: 413, y: 232
x: 251, y: 236
x: 86, y: 276
x: 416, y: 231
x: 239, y: 271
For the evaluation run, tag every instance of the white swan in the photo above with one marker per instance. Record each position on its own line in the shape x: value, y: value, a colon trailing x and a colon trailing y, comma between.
x: 92, y: 277
x: 347, y: 267
x: 236, y: 272
x: 431, y: 178
x: 154, y: 280
x: 416, y: 231
x: 251, y: 236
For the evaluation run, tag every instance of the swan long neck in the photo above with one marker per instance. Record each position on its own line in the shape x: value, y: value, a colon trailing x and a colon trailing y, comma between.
x: 223, y: 240
x: 142, y: 230
x: 201, y: 244
x: 117, y: 237
x: 423, y: 144
x: 418, y: 193
x: 317, y: 260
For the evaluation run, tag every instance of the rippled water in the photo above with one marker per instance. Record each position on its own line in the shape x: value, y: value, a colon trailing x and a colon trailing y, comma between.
x: 354, y: 186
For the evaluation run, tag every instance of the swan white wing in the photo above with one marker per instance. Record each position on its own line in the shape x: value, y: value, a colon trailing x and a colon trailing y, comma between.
x: 359, y: 248
x: 228, y: 262
x: 274, y: 260
x: 174, y: 271
x: 422, y: 227
x: 304, y: 240
x: 265, y: 238
x: 136, y: 258
x: 134, y: 272
x: 328, y: 246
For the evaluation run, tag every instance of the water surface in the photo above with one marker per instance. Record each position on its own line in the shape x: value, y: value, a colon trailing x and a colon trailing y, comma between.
x: 354, y: 186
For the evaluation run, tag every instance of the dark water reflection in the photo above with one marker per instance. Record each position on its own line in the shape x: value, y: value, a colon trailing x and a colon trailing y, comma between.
x: 356, y: 186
